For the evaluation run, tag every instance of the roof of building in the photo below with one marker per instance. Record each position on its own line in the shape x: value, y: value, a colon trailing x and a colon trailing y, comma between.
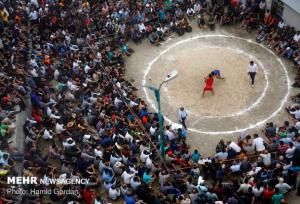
x: 294, y: 4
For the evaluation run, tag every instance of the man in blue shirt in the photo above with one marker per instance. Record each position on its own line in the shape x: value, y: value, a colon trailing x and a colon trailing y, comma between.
x: 196, y: 156
x: 217, y: 73
x: 129, y: 198
x: 147, y: 177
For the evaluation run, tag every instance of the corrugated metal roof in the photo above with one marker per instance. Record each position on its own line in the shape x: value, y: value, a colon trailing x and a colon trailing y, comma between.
x: 294, y: 4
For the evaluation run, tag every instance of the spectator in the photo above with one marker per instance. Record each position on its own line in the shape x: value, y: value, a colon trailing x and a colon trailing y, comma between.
x: 258, y: 143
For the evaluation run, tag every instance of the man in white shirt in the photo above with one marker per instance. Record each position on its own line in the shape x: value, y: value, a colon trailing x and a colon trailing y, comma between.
x: 244, y: 187
x: 282, y: 186
x: 235, y: 167
x: 33, y: 16
x: 221, y: 155
x: 114, y: 193
x: 190, y: 12
x: 47, y: 135
x: 142, y: 27
x: 153, y: 129
x: 127, y: 175
x: 297, y: 36
x: 289, y: 153
x: 170, y: 134
x: 281, y: 24
x: 197, y: 8
x: 258, y: 143
x: 266, y: 157
x: 50, y: 114
x: 295, y: 112
x: 59, y: 128
x: 252, y: 69
x: 297, y: 125
x: 182, y: 114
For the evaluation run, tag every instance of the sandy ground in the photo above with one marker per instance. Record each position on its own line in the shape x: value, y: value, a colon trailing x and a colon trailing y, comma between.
x: 194, y: 60
x: 193, y: 63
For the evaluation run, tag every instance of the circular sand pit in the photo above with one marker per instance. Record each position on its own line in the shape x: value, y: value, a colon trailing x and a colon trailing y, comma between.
x: 236, y: 106
x: 234, y: 93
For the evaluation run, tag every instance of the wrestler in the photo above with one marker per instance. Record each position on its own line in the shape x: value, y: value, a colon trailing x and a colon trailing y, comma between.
x: 217, y: 73
x: 209, y: 81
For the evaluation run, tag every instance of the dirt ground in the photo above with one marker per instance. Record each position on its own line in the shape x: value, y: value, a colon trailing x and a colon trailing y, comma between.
x: 193, y: 63
x: 228, y: 110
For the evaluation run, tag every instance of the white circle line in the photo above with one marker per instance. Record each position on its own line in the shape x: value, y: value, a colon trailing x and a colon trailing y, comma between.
x: 222, y: 132
x: 253, y: 105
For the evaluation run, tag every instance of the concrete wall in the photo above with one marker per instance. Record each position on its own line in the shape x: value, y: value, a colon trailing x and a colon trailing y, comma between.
x: 291, y: 17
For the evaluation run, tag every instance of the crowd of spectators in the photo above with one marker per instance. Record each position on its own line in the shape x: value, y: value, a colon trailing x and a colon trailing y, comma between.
x: 64, y: 63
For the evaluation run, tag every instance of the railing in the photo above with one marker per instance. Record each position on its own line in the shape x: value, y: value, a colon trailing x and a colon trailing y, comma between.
x: 141, y: 126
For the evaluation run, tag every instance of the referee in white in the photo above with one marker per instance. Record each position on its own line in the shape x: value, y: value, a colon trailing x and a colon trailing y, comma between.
x: 252, y: 69
x: 182, y: 114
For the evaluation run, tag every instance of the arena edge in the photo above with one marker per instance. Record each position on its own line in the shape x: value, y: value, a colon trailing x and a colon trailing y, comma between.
x: 19, y: 180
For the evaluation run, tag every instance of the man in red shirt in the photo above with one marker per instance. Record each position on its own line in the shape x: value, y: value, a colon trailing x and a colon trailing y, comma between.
x: 282, y: 147
x: 209, y: 81
x: 88, y: 195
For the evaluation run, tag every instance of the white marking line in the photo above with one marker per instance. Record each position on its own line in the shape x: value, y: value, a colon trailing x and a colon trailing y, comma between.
x: 221, y: 132
x: 253, y: 105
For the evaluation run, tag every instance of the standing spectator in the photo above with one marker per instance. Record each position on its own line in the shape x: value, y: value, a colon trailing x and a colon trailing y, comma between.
x: 196, y: 156
x: 114, y: 193
x: 282, y: 147
x: 266, y: 157
x: 282, y: 186
x: 277, y: 198
x: 290, y: 152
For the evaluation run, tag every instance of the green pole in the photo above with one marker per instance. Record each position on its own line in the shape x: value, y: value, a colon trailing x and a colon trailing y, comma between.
x: 160, y: 121
x: 160, y: 118
x: 161, y: 131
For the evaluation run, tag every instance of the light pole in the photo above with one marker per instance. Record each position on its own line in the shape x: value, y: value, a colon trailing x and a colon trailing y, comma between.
x: 156, y: 91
